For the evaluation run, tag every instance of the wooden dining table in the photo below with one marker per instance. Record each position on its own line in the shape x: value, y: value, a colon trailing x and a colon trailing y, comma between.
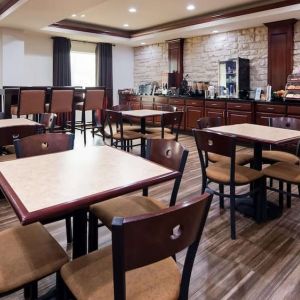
x: 142, y: 114
x: 17, y: 128
x: 51, y: 187
x: 258, y: 136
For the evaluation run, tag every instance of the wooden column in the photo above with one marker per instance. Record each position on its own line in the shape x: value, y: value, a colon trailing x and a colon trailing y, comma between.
x: 175, y: 54
x: 280, y: 52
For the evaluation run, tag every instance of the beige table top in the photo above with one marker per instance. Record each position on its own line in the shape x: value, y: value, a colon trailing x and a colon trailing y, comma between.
x: 51, y: 185
x: 142, y: 113
x: 16, y: 122
x: 260, y: 133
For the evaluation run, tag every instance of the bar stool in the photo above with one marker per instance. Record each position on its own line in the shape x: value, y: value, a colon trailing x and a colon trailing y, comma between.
x: 31, y: 102
x: 94, y: 101
x: 62, y: 103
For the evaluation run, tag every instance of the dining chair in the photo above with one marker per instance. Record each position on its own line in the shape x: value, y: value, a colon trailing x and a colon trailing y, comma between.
x: 243, y: 157
x: 161, y: 107
x: 171, y: 120
x: 31, y: 101
x: 171, y: 155
x: 62, y: 104
x: 128, y: 124
x: 28, y: 254
x: 282, y: 155
x: 93, y: 101
x: 46, y: 143
x: 124, y: 137
x: 140, y: 264
x: 48, y: 120
x: 227, y: 174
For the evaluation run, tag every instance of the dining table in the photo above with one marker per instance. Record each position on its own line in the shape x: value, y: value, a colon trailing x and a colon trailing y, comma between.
x: 258, y: 136
x: 53, y: 186
x: 17, y: 128
x: 142, y: 115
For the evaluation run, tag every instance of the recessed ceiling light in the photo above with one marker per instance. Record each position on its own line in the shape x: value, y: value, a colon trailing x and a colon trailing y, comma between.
x: 190, y: 7
x: 74, y: 15
x: 132, y: 10
x: 143, y: 43
x: 215, y: 31
x: 125, y: 25
x: 82, y: 16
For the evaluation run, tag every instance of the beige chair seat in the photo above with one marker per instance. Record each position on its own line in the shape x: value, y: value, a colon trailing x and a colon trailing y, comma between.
x: 128, y: 135
x: 280, y: 156
x: 125, y: 207
x: 91, y: 277
x: 79, y: 106
x: 241, y: 158
x: 283, y: 171
x: 14, y: 109
x: 158, y: 130
x: 7, y: 157
x: 10, y: 149
x: 132, y: 128
x: 220, y: 172
x: 157, y: 136
x: 27, y: 254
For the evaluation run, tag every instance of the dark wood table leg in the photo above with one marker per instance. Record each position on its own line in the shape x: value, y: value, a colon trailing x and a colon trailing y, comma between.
x: 143, y: 140
x: 79, y: 233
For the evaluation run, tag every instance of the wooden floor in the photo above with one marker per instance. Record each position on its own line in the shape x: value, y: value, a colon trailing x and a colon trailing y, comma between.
x: 263, y: 263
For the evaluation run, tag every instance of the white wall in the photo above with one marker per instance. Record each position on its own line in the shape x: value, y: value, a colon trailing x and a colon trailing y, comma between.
x: 123, y: 69
x: 26, y: 58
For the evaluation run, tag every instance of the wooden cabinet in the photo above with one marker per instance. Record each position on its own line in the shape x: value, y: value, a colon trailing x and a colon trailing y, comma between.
x: 266, y: 111
x: 238, y: 113
x: 194, y: 111
x: 216, y: 109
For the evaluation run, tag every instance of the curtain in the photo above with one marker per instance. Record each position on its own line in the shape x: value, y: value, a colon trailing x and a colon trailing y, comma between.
x: 104, y: 73
x: 61, y: 61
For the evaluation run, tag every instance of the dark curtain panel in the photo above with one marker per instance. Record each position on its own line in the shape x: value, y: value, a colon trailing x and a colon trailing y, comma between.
x: 61, y: 61
x: 104, y: 76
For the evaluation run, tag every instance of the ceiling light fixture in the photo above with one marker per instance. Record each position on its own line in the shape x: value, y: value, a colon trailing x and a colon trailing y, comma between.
x: 126, y: 25
x: 132, y: 10
x: 82, y: 16
x: 74, y: 15
x: 215, y: 31
x: 190, y: 7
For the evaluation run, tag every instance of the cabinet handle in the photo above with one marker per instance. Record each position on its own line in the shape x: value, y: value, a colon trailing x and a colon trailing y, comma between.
x: 270, y: 108
x: 194, y: 103
x: 214, y: 104
x: 237, y: 106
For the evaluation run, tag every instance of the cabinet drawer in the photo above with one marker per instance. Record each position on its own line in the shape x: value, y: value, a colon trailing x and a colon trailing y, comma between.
x: 278, y: 109
x: 147, y: 98
x: 293, y: 110
x: 215, y: 104
x: 194, y: 102
x: 176, y: 101
x: 134, y: 98
x: 239, y: 106
x: 162, y: 100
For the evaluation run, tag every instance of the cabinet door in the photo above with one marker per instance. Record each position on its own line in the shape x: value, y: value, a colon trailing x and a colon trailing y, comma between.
x: 216, y: 113
x: 263, y: 118
x: 192, y: 115
x: 238, y: 117
x: 135, y: 105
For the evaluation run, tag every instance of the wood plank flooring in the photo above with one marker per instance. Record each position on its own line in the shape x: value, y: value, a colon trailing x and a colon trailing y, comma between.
x: 263, y: 263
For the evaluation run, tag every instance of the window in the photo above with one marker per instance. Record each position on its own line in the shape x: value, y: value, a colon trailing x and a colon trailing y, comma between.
x: 83, y: 64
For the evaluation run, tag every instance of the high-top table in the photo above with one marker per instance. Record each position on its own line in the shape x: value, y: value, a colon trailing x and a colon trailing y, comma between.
x: 51, y: 187
x: 258, y: 135
x: 18, y: 128
x: 142, y: 114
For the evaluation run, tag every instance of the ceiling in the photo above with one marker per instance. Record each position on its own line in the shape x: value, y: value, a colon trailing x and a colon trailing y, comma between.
x: 38, y: 16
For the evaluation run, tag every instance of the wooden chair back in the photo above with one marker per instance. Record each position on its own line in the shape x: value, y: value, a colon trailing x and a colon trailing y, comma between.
x: 175, y: 228
x: 171, y: 155
x: 62, y: 100
x: 94, y: 98
x: 43, y: 144
x: 209, y: 122
x: 171, y: 120
x: 48, y: 120
x: 31, y: 101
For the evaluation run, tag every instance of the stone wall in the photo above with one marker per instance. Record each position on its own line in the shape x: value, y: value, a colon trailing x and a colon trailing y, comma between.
x: 297, y: 47
x: 201, y: 56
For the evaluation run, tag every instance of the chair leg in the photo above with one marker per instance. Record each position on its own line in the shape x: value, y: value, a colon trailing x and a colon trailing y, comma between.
x: 232, y: 216
x: 93, y: 233
x: 288, y: 195
x: 60, y: 290
x: 221, y: 190
x: 84, y: 128
x: 204, y: 183
x: 31, y: 291
x: 281, y: 195
x: 69, y: 230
